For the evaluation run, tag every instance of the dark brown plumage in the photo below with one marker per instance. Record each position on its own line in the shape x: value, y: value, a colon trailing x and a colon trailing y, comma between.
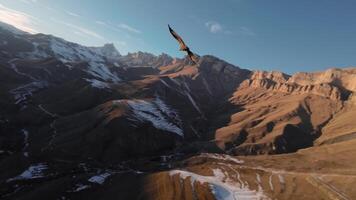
x: 183, y: 46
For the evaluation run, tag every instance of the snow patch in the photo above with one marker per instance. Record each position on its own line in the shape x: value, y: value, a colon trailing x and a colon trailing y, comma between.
x: 99, y: 179
x: 70, y: 52
x: 282, y: 182
x: 186, y: 86
x: 221, y: 185
x: 98, y: 84
x: 99, y: 70
x: 223, y: 157
x: 116, y: 64
x: 258, y: 178
x: 165, y: 83
x: 168, y: 111
x: 34, y: 171
x: 158, y: 113
x: 259, y: 182
x: 80, y: 187
x: 37, y: 53
x: 22, y: 93
x: 174, y: 81
x: 281, y: 179
x: 193, y: 102
x: 270, y: 182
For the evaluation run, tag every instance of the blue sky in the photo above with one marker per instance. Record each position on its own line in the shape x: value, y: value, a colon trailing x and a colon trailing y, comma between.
x: 283, y: 35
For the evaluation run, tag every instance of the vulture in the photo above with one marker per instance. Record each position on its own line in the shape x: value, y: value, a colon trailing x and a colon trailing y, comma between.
x: 184, y: 47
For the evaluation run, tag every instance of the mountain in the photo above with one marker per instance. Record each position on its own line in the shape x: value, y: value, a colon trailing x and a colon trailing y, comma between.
x: 81, y: 122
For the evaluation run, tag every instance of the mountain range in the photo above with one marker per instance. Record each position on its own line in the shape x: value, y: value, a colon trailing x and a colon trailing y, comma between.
x: 81, y: 122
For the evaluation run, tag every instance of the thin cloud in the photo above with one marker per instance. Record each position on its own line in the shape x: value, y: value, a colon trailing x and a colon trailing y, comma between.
x: 101, y: 23
x: 121, y: 28
x: 214, y: 27
x: 108, y: 25
x: 246, y: 31
x: 72, y: 14
x: 128, y: 28
x: 18, y: 19
x: 80, y: 30
x: 29, y: 1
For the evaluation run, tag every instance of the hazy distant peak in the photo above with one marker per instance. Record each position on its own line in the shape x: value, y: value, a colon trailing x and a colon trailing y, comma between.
x: 109, y: 50
x: 11, y: 28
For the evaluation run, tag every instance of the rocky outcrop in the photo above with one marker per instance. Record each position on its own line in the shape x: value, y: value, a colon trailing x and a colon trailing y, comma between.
x: 143, y: 59
x: 323, y: 89
x: 279, y: 82
x: 278, y: 115
x: 273, y: 75
x: 343, y: 78
x: 109, y: 51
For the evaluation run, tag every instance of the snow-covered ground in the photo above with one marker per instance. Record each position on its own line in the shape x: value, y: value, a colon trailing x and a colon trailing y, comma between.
x: 223, y: 157
x: 270, y: 182
x: 158, y: 113
x: 46, y: 46
x: 171, y: 113
x: 98, y: 84
x: 221, y: 185
x: 70, y: 52
x: 80, y: 187
x: 100, y: 178
x: 99, y: 70
x: 22, y: 93
x: 34, y: 171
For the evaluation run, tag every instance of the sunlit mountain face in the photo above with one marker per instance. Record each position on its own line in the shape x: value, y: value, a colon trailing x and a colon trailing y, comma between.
x: 90, y: 122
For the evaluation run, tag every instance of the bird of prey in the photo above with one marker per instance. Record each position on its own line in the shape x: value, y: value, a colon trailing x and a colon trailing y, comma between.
x: 183, y: 47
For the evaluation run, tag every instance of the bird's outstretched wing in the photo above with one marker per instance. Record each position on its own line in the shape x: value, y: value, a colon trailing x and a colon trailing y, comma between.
x: 178, y: 38
x: 184, y: 47
x: 192, y: 57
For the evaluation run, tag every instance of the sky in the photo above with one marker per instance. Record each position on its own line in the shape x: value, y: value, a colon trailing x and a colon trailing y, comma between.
x: 280, y: 35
